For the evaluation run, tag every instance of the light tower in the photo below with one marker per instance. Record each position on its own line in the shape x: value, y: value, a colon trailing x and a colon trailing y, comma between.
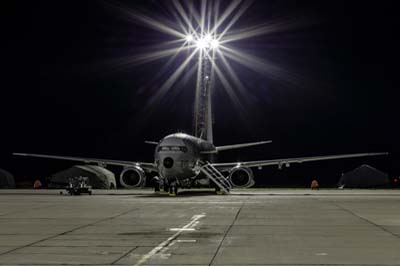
x: 206, y: 45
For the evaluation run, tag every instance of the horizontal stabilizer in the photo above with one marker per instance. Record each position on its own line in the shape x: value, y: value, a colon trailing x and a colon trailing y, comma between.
x: 151, y: 142
x: 243, y: 145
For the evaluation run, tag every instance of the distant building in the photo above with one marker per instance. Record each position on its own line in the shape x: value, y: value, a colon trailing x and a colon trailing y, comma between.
x: 364, y: 176
x: 6, y: 179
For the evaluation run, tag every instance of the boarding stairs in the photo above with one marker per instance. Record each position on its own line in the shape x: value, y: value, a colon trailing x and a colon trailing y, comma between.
x: 212, y: 173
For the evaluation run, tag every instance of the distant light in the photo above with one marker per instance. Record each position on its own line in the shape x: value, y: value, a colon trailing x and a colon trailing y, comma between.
x: 207, y: 77
x: 189, y: 38
x: 214, y: 44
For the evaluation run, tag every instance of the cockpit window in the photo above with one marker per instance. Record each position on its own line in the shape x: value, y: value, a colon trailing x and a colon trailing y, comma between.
x: 172, y: 148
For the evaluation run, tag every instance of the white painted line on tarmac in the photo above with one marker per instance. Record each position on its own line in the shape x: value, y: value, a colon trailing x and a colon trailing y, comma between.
x: 186, y: 229
x: 170, y: 241
x: 186, y: 240
x: 182, y: 229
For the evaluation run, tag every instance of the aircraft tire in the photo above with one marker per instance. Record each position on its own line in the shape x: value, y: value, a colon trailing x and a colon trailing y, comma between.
x: 157, y: 187
x: 166, y: 188
x: 173, y: 190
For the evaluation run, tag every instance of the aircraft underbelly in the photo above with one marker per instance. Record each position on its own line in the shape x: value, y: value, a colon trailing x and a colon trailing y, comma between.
x: 177, y: 173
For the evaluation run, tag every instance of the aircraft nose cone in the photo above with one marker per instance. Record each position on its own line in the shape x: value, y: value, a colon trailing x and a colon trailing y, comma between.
x: 168, y: 162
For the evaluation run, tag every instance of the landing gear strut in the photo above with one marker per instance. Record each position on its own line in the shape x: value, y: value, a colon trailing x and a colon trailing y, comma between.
x: 156, y: 181
x: 166, y: 187
x: 173, y: 189
x: 157, y: 187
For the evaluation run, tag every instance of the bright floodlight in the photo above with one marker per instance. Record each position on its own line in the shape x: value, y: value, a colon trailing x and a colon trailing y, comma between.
x: 205, y: 42
x: 202, y: 43
x: 189, y: 38
x: 214, y: 44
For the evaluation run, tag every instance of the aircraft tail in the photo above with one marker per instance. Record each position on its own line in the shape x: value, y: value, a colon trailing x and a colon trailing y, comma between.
x: 203, y: 107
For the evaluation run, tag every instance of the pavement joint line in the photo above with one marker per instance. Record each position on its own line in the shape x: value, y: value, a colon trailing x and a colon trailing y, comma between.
x: 66, y: 232
x: 364, y: 219
x: 124, y: 255
x: 227, y: 231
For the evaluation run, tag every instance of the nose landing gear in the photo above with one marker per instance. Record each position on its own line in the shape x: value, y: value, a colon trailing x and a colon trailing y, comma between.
x: 173, y: 189
x: 157, y: 187
x: 166, y: 187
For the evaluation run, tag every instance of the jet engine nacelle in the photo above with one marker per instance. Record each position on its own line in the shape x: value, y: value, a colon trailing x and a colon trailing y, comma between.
x: 132, y: 177
x: 241, y: 177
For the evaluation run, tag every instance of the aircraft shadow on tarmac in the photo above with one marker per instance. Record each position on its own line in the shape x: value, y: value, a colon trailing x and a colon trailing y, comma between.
x: 188, y: 193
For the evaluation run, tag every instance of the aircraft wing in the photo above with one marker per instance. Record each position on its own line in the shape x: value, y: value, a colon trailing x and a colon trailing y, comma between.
x: 288, y: 161
x: 104, y: 162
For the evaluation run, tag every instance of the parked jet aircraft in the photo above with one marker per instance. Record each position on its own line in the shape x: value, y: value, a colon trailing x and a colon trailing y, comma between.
x: 182, y: 160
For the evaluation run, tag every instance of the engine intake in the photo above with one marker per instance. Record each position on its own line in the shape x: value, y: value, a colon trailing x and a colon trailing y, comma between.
x: 241, y: 177
x: 132, y: 177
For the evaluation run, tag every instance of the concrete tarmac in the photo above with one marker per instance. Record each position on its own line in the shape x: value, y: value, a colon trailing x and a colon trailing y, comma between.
x: 248, y: 227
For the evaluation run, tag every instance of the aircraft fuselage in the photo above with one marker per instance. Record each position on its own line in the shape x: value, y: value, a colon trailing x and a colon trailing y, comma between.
x: 176, y: 156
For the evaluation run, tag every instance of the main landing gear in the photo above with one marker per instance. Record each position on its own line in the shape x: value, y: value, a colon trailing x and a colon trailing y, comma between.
x: 173, y: 189
x: 156, y: 182
x: 157, y: 187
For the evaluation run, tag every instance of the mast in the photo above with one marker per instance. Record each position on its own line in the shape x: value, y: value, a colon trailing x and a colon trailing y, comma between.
x: 203, y: 106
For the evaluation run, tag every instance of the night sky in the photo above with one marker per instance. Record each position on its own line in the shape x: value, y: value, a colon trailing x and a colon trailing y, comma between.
x: 62, y: 93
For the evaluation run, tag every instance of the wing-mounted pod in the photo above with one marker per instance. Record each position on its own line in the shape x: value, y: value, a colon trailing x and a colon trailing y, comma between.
x: 132, y: 177
x: 241, y: 177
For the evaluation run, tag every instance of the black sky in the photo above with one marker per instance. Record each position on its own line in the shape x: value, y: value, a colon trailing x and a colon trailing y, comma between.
x: 61, y: 95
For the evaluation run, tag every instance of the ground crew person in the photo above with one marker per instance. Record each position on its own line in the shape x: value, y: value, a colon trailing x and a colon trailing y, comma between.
x: 37, y: 184
x: 314, y: 185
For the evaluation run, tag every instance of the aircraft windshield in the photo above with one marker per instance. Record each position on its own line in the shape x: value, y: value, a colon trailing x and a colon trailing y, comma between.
x: 172, y: 148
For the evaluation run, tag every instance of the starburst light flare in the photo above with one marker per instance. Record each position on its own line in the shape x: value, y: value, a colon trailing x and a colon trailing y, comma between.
x: 204, y: 31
